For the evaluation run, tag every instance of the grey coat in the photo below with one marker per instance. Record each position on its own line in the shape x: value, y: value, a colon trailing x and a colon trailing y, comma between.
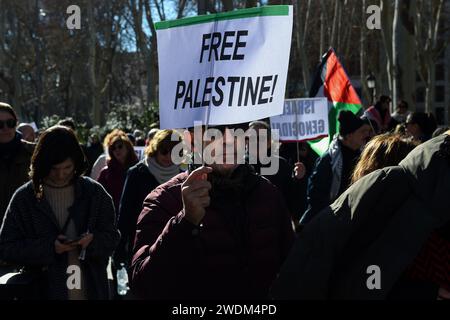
x: 381, y: 220
x: 30, y: 228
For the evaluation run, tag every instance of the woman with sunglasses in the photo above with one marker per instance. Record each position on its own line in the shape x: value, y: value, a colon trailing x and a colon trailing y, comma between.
x: 121, y: 157
x: 15, y: 156
x: 157, y: 168
x: 60, y: 226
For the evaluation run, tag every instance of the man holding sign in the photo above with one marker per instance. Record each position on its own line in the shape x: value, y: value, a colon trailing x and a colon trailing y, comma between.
x: 220, y: 231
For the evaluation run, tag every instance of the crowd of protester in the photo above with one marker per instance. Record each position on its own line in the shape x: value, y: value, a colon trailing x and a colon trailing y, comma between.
x: 379, y: 195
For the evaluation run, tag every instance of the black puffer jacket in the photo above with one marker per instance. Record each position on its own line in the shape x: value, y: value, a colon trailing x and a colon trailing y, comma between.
x: 15, y: 158
x: 30, y: 228
x: 382, y: 220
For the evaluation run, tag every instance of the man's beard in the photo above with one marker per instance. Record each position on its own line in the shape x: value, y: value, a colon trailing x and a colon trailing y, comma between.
x: 229, y: 181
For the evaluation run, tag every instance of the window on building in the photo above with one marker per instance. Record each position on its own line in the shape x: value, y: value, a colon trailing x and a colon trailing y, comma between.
x: 418, y: 78
x: 440, y: 72
x: 440, y: 115
x: 439, y: 94
x: 420, y: 94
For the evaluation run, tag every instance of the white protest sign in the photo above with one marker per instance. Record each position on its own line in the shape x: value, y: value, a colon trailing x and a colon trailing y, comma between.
x: 234, y: 63
x: 139, y: 152
x: 302, y: 119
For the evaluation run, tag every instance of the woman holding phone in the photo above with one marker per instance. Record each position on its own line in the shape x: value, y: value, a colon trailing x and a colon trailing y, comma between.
x: 60, y: 225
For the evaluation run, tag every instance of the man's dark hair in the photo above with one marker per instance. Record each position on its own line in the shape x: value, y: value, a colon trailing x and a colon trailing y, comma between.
x: 425, y: 121
x: 56, y: 145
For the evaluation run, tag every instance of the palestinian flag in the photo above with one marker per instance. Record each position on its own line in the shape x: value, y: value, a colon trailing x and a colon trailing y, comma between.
x: 341, y: 95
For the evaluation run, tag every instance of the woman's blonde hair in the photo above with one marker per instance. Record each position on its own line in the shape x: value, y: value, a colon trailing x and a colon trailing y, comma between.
x: 382, y: 151
x: 162, y: 142
x: 119, y: 135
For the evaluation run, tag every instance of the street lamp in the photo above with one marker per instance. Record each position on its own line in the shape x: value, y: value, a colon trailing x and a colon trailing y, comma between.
x: 371, y: 82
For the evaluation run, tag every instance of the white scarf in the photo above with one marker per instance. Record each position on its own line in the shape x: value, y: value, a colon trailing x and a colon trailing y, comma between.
x: 161, y: 174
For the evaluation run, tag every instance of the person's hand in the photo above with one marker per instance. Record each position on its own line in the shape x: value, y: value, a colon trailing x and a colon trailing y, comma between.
x: 299, y: 170
x: 443, y: 294
x: 86, y: 240
x: 60, y: 247
x: 195, y: 194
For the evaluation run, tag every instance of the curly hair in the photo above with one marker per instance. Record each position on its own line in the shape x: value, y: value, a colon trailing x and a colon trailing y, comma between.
x: 119, y: 135
x: 382, y: 151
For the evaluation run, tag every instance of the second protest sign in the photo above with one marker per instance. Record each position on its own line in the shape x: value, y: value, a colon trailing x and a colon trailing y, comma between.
x: 302, y: 119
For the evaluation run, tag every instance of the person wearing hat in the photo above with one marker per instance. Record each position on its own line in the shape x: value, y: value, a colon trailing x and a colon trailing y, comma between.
x: 333, y: 170
x: 27, y: 131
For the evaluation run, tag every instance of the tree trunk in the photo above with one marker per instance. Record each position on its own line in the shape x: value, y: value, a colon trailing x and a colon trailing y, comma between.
x: 335, y: 25
x: 227, y: 5
x: 404, y: 52
x: 38, y: 58
x: 152, y: 61
x: 95, y: 99
x: 17, y: 96
x: 251, y: 3
x: 301, y: 46
x: 181, y: 7
x: 322, y: 29
x: 2, y: 33
x: 429, y: 87
x: 201, y: 7
x: 387, y: 34
x: 362, y: 55
x: 339, y: 24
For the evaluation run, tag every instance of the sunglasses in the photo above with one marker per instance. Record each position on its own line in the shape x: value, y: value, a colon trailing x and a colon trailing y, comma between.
x: 117, y: 146
x: 10, y: 123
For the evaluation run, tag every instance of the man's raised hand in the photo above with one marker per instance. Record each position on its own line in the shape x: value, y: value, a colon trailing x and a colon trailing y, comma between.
x: 195, y: 194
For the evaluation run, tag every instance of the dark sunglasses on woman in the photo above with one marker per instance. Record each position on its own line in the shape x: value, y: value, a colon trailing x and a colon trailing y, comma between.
x: 10, y: 123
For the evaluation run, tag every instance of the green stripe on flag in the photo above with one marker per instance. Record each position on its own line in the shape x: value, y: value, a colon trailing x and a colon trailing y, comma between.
x: 321, y: 146
x: 281, y: 10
